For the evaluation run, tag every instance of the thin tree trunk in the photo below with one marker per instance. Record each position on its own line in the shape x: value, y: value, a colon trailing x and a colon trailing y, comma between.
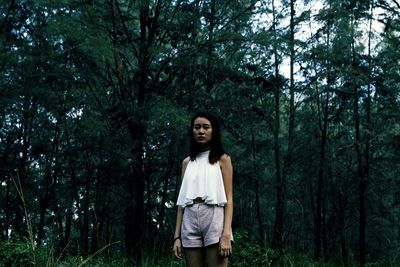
x: 281, y: 178
x: 341, y: 220
x: 50, y: 179
x: 364, y: 169
x: 277, y: 242
x: 97, y: 215
x: 193, y: 56
x: 170, y: 166
x: 210, y: 48
x: 29, y: 109
x: 319, y: 231
x: 65, y: 232
x: 6, y: 203
x: 360, y: 167
x: 257, y: 192
x: 320, y: 180
x: 134, y: 218
x: 100, y: 211
x: 84, y: 212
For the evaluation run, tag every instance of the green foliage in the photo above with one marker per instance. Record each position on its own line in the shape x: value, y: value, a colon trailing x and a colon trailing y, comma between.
x: 97, y: 262
x: 16, y: 252
x: 246, y: 252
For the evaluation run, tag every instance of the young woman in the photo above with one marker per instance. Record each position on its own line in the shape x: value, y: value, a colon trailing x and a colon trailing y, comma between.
x: 205, y: 202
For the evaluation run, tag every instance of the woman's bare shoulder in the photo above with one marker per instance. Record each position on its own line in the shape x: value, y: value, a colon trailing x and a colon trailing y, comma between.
x: 225, y: 159
x: 185, y: 161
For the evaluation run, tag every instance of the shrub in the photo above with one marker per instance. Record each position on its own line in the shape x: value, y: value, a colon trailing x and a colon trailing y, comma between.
x: 16, y: 253
x: 247, y: 252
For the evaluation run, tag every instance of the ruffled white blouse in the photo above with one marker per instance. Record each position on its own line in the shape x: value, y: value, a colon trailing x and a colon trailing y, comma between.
x: 202, y: 180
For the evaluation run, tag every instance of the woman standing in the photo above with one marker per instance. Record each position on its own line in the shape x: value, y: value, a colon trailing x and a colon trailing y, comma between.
x: 205, y: 202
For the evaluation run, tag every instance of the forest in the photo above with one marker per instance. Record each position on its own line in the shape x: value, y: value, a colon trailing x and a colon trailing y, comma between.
x: 96, y: 99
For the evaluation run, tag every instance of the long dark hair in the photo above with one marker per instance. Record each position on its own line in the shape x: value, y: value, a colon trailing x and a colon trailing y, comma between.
x: 216, y: 149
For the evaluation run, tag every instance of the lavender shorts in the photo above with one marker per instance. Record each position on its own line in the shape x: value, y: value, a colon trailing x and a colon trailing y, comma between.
x: 202, y: 225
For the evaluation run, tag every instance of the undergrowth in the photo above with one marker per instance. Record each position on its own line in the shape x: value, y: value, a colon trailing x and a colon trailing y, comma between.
x: 18, y: 253
x: 23, y: 252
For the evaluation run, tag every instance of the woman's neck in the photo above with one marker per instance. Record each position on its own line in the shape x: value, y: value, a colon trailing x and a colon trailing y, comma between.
x: 204, y: 148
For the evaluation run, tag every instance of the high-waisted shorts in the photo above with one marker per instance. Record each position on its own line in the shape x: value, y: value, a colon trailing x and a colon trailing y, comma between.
x: 202, y: 225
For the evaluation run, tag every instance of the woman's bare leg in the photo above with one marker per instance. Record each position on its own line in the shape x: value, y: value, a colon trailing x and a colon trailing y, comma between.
x: 213, y: 259
x: 195, y: 257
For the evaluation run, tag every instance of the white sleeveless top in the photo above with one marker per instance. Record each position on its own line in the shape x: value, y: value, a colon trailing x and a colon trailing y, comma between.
x: 202, y: 180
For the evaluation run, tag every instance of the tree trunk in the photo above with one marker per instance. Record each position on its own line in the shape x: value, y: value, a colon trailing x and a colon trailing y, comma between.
x: 192, y: 75
x: 210, y: 49
x: 65, y: 232
x: 29, y: 109
x: 340, y: 211
x: 43, y: 204
x: 6, y: 203
x: 363, y: 169
x: 319, y: 231
x: 276, y: 241
x: 134, y: 218
x: 50, y: 179
x: 257, y: 192
x: 170, y: 166
x: 84, y: 213
x: 96, y: 215
x: 134, y: 211
x: 320, y: 179
x: 360, y: 167
x: 281, y: 177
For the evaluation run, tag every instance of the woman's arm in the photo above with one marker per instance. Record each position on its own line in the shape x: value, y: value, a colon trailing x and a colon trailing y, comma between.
x: 177, y: 247
x: 227, y: 175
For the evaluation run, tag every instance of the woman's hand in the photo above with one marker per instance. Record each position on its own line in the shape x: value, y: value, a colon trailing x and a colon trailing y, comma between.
x: 225, y: 246
x: 177, y: 248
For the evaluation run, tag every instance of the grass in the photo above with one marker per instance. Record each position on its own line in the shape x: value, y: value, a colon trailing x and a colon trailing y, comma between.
x: 15, y: 253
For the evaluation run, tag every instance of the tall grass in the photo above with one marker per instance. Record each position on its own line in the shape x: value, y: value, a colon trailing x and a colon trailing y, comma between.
x: 246, y: 254
x: 18, y: 187
x: 24, y: 252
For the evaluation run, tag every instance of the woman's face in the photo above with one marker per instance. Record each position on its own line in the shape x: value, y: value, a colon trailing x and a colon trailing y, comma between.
x: 202, y: 130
